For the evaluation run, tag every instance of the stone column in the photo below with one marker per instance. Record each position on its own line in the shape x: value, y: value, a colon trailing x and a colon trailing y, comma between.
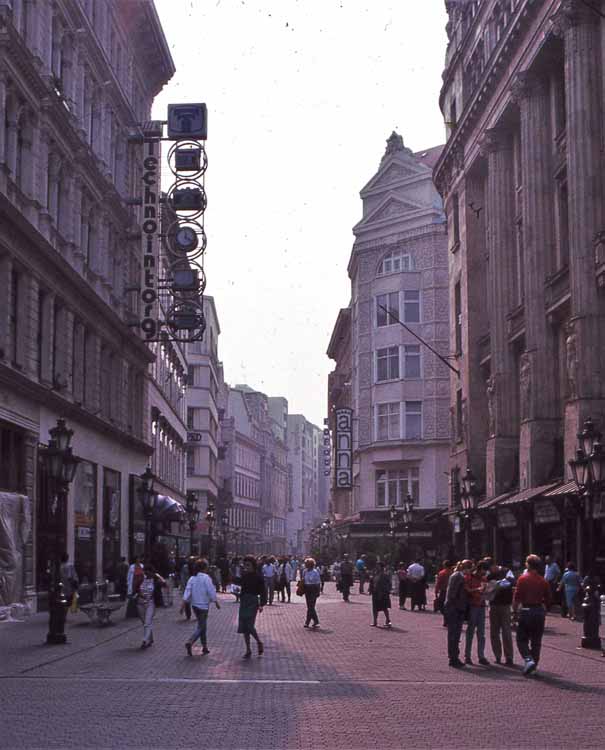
x: 3, y: 97
x: 580, y: 28
x: 502, y: 443
x: 539, y: 412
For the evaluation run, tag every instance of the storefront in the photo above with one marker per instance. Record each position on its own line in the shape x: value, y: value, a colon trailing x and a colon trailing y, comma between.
x: 84, y: 493
x: 112, y: 518
x: 549, y: 529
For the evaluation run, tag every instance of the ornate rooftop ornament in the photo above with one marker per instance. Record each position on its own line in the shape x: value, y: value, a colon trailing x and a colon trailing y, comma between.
x: 395, y: 144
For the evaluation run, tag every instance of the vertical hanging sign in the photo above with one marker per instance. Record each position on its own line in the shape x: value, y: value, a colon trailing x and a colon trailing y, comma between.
x: 343, y: 448
x: 150, y: 226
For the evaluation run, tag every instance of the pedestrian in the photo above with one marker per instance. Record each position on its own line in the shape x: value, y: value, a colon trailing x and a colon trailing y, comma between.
x: 69, y: 579
x: 475, y: 584
x: 253, y: 598
x: 402, y: 577
x: 188, y: 570
x: 571, y: 585
x: 312, y: 588
x: 346, y: 577
x: 361, y: 567
x: 499, y: 593
x: 133, y: 581
x: 268, y: 571
x: 324, y: 573
x: 456, y: 602
x: 381, y: 595
x: 200, y: 592
x: 223, y: 566
x: 417, y: 585
x: 443, y: 577
x: 552, y: 574
x: 123, y: 578
x: 148, y: 592
x: 530, y: 600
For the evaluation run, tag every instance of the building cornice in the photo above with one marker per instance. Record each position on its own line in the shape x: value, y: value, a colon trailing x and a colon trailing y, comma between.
x: 19, y: 383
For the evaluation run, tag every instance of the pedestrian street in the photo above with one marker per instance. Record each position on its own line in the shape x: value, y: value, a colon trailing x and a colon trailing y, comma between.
x: 346, y: 685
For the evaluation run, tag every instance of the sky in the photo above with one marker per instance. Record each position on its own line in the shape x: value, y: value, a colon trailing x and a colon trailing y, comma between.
x: 301, y: 97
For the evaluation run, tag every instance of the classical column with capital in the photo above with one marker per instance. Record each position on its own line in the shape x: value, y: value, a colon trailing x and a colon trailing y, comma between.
x: 579, y: 26
x: 539, y: 412
x: 502, y: 444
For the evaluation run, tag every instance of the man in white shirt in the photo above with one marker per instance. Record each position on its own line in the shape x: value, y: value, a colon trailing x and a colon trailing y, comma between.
x: 200, y: 592
x: 416, y: 571
x: 268, y: 571
x: 552, y: 573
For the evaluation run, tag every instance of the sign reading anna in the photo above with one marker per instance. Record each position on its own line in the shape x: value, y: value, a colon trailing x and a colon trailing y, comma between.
x: 343, y: 449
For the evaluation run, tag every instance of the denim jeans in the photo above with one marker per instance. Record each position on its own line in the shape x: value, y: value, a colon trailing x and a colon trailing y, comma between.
x: 270, y: 588
x: 455, y: 620
x: 311, y: 596
x: 200, y: 628
x: 146, y: 613
x: 530, y: 630
x: 476, y: 622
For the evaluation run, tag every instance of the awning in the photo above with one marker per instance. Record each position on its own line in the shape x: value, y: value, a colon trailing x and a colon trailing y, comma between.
x: 168, y: 509
x: 569, y: 488
x: 529, y: 494
x: 493, y: 501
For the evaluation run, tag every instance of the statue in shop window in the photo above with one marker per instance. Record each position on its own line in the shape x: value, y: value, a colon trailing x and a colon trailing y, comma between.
x: 491, y: 405
x: 571, y: 360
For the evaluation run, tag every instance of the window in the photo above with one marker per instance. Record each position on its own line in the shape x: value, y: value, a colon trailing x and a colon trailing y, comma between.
x: 411, y: 360
x: 387, y: 421
x: 456, y: 218
x: 13, y: 317
x: 387, y: 364
x: 458, y: 316
x: 12, y: 459
x: 458, y: 435
x: 392, y: 487
x: 562, y: 221
x: 391, y: 303
x: 395, y: 262
x: 190, y: 420
x: 411, y: 306
x: 413, y: 420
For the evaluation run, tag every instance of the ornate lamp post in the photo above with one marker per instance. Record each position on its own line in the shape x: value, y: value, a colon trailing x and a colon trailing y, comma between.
x: 408, y: 507
x: 148, y: 497
x: 588, y: 469
x: 469, y: 496
x: 225, y: 529
x: 61, y: 465
x: 193, y: 516
x: 210, y: 519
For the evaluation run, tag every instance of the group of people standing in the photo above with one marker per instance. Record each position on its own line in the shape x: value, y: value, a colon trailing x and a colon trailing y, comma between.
x: 466, y: 589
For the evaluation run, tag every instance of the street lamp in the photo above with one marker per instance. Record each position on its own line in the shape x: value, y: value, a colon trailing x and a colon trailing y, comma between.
x: 588, y: 469
x: 61, y: 465
x: 210, y: 519
x: 148, y: 497
x: 225, y: 529
x: 193, y: 516
x: 469, y: 496
x: 393, y: 521
x: 408, y: 507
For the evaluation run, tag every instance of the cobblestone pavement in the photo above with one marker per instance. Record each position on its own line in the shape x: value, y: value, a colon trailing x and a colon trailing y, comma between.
x: 346, y: 686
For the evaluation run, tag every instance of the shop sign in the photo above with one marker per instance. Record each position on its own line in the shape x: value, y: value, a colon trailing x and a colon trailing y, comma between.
x: 149, y: 294
x: 344, y: 449
x: 83, y: 532
x: 477, y: 523
x: 506, y: 518
x: 327, y: 451
x: 194, y: 437
x: 457, y: 525
x: 545, y: 512
x: 139, y: 537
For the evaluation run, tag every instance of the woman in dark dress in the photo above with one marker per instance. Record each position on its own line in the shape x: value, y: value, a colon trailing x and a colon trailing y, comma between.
x: 253, y: 598
x: 381, y: 595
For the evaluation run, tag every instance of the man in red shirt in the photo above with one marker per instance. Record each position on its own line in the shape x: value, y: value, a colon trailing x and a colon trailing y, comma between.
x: 532, y: 597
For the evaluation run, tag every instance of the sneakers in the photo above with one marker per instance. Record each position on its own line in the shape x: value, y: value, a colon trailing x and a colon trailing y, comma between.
x: 188, y: 648
x: 469, y: 661
x: 530, y: 666
x: 205, y: 650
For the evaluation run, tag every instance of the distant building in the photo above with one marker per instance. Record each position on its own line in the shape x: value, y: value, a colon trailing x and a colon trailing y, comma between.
x: 397, y: 388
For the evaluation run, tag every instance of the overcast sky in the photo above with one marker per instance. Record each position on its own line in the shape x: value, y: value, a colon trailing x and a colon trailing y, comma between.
x: 301, y: 96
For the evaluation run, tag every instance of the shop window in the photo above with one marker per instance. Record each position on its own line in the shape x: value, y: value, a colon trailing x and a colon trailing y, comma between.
x: 12, y: 459
x: 85, y: 521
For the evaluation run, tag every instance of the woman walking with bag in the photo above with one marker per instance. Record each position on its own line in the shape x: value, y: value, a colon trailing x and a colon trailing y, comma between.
x: 253, y: 598
x: 381, y: 595
x: 312, y: 589
x: 148, y: 592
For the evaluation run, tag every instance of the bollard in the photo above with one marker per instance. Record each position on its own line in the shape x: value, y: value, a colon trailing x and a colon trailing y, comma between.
x: 591, y: 610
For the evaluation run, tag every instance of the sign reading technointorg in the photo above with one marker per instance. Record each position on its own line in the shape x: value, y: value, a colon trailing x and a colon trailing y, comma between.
x: 343, y: 449
x: 150, y: 226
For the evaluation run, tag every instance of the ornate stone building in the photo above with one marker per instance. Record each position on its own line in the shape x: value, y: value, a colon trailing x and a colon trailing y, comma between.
x: 77, y: 79
x: 522, y: 180
x: 398, y: 389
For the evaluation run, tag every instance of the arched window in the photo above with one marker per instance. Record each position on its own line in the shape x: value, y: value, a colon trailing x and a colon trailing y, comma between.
x: 397, y: 261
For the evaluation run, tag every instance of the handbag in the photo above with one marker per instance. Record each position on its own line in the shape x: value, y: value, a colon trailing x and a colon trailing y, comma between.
x: 131, y: 608
x: 300, y: 588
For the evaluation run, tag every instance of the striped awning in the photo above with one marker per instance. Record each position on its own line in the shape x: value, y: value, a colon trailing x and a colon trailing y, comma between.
x: 493, y: 501
x: 569, y: 488
x: 529, y: 494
